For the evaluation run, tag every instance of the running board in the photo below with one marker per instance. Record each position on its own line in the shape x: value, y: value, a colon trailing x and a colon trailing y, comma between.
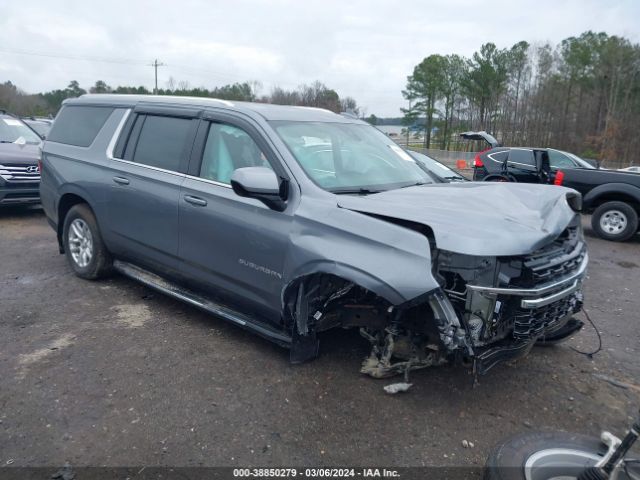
x: 165, y: 286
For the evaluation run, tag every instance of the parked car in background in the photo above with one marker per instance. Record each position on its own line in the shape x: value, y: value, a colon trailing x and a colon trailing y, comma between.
x: 517, y: 164
x: 632, y: 169
x: 290, y: 221
x: 439, y: 171
x: 19, y: 156
x: 40, y: 125
x: 611, y: 196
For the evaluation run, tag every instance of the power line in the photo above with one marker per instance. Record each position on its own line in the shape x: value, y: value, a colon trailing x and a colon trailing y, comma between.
x: 194, y: 70
x: 72, y: 57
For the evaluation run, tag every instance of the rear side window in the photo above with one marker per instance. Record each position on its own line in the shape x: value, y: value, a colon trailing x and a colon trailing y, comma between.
x: 523, y: 157
x: 76, y: 125
x: 499, y: 156
x: 162, y: 141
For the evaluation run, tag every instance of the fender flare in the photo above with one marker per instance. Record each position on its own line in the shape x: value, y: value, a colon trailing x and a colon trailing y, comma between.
x: 346, y: 272
x: 72, y: 189
x: 611, y: 188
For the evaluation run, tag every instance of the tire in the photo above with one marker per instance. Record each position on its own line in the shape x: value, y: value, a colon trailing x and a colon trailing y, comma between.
x: 615, y: 221
x: 83, y: 245
x: 508, y: 459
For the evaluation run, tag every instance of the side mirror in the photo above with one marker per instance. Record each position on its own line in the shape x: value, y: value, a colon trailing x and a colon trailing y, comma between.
x: 260, y: 183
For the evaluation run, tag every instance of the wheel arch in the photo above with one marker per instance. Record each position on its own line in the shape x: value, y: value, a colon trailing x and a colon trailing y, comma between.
x: 346, y: 273
x: 616, y: 192
x: 69, y: 198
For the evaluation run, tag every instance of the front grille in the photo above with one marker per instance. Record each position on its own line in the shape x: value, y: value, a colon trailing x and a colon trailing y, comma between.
x: 553, y: 262
x: 20, y: 173
x: 531, y: 323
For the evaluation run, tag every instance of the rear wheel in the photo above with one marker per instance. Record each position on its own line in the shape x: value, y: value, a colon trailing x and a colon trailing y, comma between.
x: 543, y: 456
x: 616, y: 221
x: 500, y: 178
x: 85, y: 251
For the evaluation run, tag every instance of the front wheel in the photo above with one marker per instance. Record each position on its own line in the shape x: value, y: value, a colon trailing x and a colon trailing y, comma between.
x: 616, y: 221
x: 543, y: 456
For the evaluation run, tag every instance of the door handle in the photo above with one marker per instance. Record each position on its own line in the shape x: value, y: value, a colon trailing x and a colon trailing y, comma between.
x: 121, y: 180
x: 200, y: 202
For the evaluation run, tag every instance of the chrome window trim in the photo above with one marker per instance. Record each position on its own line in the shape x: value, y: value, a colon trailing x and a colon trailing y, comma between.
x: 112, y: 146
x: 150, y: 167
x: 531, y: 292
x: 116, y: 135
x: 490, y: 155
x: 206, y: 180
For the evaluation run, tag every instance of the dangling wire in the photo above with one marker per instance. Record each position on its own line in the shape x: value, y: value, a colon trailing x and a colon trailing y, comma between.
x: 590, y: 354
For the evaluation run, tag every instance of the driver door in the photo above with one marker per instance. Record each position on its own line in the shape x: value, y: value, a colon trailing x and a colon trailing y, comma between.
x: 235, y: 246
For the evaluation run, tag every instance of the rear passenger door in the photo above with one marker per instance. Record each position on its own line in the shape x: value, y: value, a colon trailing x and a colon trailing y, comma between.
x: 522, y: 165
x: 147, y: 171
x: 235, y: 246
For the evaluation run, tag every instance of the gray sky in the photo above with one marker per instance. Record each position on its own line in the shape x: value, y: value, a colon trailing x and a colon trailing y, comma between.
x: 363, y: 49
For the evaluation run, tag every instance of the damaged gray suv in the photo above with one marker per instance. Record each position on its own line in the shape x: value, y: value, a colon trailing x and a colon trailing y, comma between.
x: 289, y: 221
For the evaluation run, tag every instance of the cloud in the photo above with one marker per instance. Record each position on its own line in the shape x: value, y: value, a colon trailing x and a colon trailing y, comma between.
x: 360, y: 48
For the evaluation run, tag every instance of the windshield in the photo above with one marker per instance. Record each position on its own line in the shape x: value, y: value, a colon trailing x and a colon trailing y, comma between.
x: 346, y: 157
x: 582, y: 163
x: 13, y: 130
x: 436, y: 168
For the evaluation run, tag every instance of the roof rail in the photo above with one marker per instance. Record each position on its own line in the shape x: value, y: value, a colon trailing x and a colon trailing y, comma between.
x: 349, y: 114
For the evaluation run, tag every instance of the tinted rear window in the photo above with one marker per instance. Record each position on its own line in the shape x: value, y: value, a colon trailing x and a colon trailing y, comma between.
x: 524, y: 157
x: 162, y: 141
x: 76, y: 125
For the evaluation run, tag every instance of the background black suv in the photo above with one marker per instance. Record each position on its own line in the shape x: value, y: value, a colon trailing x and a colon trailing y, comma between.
x: 518, y: 164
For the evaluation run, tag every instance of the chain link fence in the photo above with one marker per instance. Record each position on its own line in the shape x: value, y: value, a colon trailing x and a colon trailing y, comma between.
x: 461, y: 162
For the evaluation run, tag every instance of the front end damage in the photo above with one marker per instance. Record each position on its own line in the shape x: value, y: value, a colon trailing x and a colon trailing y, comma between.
x: 507, y: 304
x: 486, y: 310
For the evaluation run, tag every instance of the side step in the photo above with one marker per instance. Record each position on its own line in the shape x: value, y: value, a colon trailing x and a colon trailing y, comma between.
x: 158, y: 283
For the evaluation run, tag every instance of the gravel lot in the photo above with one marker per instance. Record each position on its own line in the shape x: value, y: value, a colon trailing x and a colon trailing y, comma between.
x: 112, y: 373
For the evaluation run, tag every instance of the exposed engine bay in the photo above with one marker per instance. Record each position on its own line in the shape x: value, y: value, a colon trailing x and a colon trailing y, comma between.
x: 487, y: 309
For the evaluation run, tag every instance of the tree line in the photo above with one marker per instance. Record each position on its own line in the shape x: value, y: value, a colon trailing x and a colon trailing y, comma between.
x: 316, y: 94
x: 581, y: 95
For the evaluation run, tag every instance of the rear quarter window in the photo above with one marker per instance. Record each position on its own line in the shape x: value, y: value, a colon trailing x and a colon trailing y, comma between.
x: 78, y: 125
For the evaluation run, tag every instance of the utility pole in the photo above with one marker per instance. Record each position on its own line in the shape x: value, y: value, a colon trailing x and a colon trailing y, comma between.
x: 155, y: 66
x: 408, y: 126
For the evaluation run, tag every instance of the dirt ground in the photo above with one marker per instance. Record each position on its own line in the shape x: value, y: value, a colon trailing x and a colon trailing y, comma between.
x: 112, y: 373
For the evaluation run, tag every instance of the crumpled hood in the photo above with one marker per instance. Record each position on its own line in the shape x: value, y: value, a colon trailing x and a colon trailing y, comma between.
x: 477, y: 218
x: 16, y: 154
